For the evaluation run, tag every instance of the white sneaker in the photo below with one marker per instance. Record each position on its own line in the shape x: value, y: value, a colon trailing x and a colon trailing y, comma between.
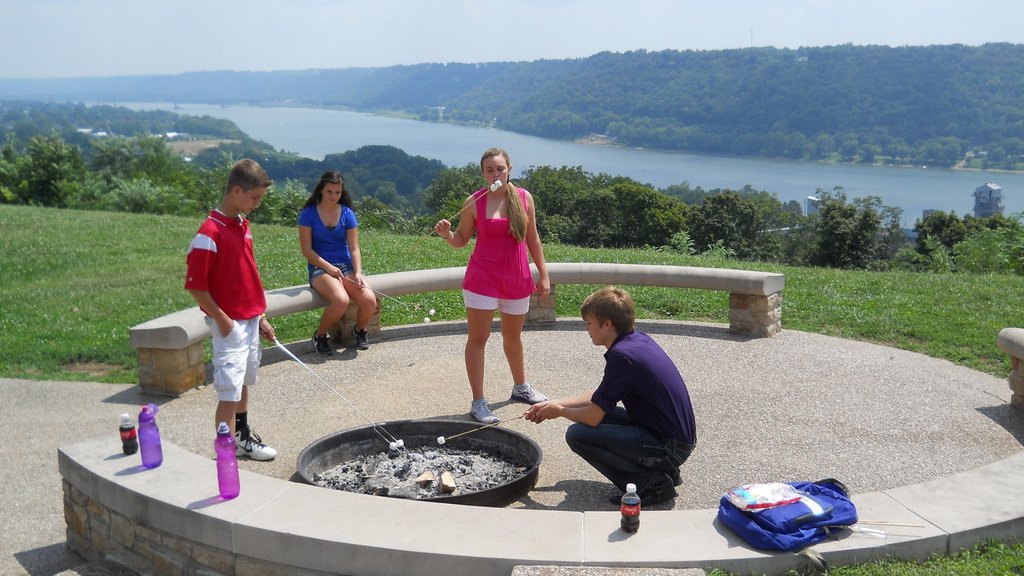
x: 248, y: 443
x: 482, y: 413
x: 526, y: 393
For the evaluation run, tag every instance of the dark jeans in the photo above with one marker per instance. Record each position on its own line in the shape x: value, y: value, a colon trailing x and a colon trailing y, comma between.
x: 626, y: 452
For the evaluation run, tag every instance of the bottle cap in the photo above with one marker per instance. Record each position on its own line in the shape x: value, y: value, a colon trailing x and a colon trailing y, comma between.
x: 148, y: 413
x: 126, y: 419
x: 223, y: 430
x: 630, y: 487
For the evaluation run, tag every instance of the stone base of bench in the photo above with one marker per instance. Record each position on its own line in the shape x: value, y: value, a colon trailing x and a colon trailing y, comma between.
x: 1011, y: 341
x: 1017, y: 382
x: 171, y: 372
x: 342, y: 330
x: 757, y: 316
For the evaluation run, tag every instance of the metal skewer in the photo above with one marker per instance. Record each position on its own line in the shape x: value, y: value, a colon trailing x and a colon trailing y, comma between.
x: 443, y: 439
x: 375, y: 291
x: 380, y: 430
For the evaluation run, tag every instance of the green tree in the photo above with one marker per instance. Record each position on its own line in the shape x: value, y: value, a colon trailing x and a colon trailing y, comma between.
x: 727, y: 219
x: 944, y: 227
x: 642, y: 216
x: 281, y: 204
x: 556, y: 193
x: 8, y: 171
x: 53, y: 172
x: 848, y: 233
x: 447, y: 193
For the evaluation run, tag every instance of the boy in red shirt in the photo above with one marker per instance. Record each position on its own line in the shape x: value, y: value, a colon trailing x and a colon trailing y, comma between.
x: 223, y: 279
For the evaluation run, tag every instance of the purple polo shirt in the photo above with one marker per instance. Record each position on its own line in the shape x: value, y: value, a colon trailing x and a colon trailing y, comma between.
x: 642, y: 376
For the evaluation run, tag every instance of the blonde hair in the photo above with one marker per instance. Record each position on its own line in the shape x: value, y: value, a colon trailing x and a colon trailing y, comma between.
x: 517, y: 220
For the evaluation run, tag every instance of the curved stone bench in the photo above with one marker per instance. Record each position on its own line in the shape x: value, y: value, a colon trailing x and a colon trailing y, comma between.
x: 170, y: 348
x: 169, y: 520
x: 1011, y: 341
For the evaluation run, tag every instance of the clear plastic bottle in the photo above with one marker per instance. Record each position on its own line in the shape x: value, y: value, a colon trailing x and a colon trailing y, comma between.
x: 227, y: 462
x: 129, y: 438
x: 630, y: 509
x: 149, y: 437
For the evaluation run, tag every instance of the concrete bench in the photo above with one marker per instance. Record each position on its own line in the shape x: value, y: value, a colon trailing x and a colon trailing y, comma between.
x: 170, y: 348
x: 169, y: 520
x: 1011, y: 341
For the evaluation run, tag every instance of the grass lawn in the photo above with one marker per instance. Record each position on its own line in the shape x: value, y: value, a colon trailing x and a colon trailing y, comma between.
x: 73, y: 283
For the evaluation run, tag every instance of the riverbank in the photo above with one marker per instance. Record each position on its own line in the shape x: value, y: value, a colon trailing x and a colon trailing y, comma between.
x: 316, y: 133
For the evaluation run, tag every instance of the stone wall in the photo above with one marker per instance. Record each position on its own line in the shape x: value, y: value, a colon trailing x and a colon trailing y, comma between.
x: 96, y: 532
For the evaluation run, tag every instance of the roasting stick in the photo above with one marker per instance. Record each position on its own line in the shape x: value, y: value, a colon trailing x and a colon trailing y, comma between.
x: 375, y: 291
x: 393, y: 443
x: 442, y: 439
x: 494, y: 186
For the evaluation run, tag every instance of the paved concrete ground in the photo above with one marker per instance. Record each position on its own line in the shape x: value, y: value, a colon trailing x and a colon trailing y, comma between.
x: 795, y: 407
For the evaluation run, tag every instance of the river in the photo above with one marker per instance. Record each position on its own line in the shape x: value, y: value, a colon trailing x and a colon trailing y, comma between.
x: 314, y: 133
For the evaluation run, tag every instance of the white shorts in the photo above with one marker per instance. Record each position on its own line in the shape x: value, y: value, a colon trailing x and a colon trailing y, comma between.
x: 476, y: 301
x: 236, y: 358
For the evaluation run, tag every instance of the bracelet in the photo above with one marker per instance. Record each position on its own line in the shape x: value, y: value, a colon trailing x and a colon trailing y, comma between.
x: 263, y: 316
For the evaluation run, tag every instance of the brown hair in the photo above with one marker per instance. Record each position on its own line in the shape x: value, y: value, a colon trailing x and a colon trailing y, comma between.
x: 329, y: 177
x: 517, y: 220
x: 611, y: 303
x: 248, y: 175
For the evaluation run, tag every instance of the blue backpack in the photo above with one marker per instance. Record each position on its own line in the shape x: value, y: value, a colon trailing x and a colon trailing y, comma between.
x: 791, y: 525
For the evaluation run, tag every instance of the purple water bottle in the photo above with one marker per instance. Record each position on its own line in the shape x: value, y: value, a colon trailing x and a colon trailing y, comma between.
x: 227, y: 462
x: 149, y: 437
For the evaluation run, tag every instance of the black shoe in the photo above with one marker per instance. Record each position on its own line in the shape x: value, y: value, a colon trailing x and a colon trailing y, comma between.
x: 322, y: 345
x: 658, y: 491
x: 361, y: 343
x: 657, y: 495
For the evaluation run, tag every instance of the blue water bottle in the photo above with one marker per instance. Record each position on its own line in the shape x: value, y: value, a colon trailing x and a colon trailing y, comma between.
x: 227, y: 462
x: 149, y: 437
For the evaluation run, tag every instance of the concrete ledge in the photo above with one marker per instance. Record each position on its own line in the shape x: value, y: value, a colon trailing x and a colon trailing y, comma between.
x: 171, y: 520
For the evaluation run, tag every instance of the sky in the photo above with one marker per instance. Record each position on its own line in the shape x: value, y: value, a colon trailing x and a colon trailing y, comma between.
x: 90, y: 38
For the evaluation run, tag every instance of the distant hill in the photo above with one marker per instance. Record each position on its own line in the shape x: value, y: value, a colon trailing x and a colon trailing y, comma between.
x: 934, y: 105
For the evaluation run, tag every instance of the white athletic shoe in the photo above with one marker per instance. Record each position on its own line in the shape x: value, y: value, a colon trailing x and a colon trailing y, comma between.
x: 248, y: 443
x: 526, y: 393
x: 482, y: 413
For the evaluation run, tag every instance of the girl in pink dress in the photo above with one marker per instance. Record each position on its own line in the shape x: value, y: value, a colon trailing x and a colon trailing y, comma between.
x: 498, y: 275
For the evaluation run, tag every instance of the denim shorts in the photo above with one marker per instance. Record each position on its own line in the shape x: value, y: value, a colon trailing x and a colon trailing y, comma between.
x: 346, y: 269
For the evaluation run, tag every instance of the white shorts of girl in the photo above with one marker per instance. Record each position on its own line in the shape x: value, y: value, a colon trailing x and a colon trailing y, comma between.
x: 476, y: 301
x: 236, y: 358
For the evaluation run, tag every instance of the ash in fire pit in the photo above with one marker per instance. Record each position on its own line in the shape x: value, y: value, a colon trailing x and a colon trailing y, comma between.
x: 422, y: 472
x: 492, y: 466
